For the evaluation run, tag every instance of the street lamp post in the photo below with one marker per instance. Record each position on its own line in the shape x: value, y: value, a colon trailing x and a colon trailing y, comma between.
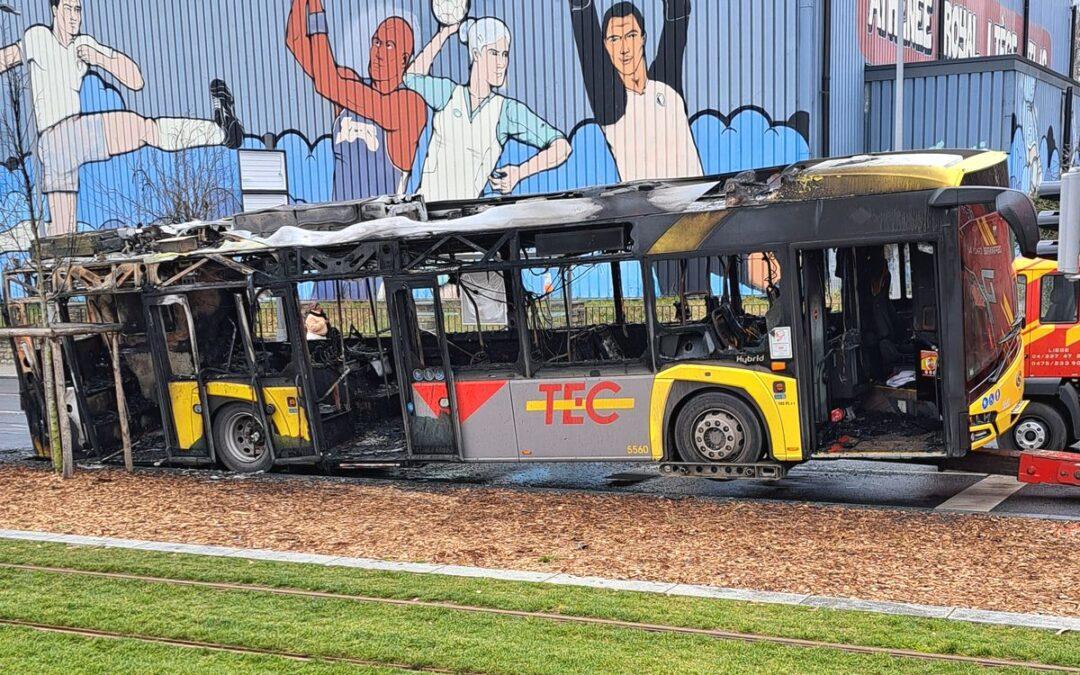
x: 898, y: 95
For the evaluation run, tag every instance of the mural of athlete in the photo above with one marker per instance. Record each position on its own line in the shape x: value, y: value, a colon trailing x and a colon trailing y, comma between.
x: 639, y: 107
x: 473, y: 123
x: 57, y: 58
x: 379, y: 121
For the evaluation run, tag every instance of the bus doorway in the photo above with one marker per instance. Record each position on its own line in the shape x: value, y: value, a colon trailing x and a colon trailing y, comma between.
x: 424, y: 372
x: 871, y: 315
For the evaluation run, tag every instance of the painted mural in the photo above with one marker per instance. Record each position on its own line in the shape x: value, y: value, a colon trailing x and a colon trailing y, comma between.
x: 450, y: 99
x: 58, y: 58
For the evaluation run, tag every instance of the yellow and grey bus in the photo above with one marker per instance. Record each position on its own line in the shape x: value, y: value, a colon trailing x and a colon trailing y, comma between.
x: 858, y: 307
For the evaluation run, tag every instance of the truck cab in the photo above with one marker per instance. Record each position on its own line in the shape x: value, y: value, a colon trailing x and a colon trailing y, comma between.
x: 1050, y: 302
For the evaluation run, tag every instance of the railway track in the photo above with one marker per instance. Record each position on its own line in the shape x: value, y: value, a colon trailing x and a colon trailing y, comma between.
x: 215, y: 646
x: 543, y: 616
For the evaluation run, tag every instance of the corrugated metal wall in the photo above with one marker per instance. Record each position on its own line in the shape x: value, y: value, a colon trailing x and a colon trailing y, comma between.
x: 999, y: 104
x: 962, y: 110
x: 846, y: 100
x: 973, y: 108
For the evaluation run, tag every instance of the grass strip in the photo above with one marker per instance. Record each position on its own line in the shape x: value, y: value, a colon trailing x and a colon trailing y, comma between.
x: 23, y: 650
x: 413, y: 636
x: 857, y: 628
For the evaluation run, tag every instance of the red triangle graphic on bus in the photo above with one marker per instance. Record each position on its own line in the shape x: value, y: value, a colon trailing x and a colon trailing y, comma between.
x: 471, y: 396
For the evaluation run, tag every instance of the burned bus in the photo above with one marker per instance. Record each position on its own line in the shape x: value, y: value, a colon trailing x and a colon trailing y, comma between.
x: 732, y: 326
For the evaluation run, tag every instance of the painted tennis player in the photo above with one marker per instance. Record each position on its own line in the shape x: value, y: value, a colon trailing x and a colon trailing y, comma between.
x: 640, y: 107
x: 473, y: 122
x: 57, y: 58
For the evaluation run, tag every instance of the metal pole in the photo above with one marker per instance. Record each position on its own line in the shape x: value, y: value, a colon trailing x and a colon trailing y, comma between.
x: 898, y: 94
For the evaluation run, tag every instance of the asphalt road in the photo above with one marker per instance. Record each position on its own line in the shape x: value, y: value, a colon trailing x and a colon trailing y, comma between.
x: 848, y: 482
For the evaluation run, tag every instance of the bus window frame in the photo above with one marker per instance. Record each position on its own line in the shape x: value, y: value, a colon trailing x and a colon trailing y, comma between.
x: 512, y: 301
x: 781, y: 253
x: 535, y: 369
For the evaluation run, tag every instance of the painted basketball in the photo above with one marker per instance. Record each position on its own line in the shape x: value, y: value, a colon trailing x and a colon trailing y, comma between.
x: 450, y: 12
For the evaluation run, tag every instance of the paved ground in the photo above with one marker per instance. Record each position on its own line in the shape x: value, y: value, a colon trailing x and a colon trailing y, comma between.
x: 13, y: 433
x: 837, y: 482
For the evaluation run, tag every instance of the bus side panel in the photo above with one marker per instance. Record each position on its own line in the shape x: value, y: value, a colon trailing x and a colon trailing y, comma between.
x: 487, y: 420
x: 594, y: 418
x: 184, y: 397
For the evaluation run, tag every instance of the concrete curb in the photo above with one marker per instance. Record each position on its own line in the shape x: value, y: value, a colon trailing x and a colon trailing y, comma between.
x: 1047, y: 622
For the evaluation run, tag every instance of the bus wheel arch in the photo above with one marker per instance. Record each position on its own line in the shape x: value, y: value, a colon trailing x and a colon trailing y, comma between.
x: 240, y: 441
x: 692, y: 403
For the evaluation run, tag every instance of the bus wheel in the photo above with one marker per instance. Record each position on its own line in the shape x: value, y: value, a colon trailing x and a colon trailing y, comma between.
x: 717, y: 427
x: 1041, y: 427
x: 240, y: 439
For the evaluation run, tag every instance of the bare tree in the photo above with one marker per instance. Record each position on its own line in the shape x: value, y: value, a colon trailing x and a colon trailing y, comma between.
x: 176, y: 187
x: 22, y: 211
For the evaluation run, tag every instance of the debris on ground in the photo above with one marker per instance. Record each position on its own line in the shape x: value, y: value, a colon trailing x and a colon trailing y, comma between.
x: 986, y: 562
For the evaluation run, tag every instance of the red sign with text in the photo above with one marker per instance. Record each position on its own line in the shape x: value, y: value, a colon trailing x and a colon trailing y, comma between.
x: 970, y: 29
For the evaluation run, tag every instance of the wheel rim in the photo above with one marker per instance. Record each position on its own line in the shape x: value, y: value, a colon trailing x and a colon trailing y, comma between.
x: 718, y: 435
x: 244, y: 438
x: 1031, y: 434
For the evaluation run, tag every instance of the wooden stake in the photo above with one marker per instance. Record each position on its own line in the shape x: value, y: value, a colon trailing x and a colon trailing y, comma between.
x: 66, y: 448
x: 121, y: 401
x: 48, y: 385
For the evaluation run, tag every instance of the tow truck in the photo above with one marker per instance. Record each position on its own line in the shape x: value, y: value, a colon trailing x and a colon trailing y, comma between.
x: 1044, y: 440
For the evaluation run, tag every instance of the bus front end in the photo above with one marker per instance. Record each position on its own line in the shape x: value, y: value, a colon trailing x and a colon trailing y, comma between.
x: 992, y: 319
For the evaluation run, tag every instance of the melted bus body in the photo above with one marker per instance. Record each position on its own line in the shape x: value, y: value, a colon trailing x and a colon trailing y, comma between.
x: 862, y: 307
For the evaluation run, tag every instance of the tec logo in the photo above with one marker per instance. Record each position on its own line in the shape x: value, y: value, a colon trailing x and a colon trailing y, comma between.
x: 575, y: 405
x: 991, y: 399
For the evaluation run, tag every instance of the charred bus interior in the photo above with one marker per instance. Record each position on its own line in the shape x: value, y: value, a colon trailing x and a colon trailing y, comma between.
x: 873, y: 324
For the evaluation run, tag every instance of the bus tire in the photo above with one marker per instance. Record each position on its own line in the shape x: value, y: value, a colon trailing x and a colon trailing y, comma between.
x: 1040, y: 427
x: 240, y: 440
x: 715, y: 427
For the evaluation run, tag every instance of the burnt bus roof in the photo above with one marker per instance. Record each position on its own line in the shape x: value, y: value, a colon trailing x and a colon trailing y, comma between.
x: 766, y: 205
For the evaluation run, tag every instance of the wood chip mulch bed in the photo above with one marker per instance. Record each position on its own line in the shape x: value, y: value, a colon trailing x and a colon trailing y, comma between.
x: 996, y: 563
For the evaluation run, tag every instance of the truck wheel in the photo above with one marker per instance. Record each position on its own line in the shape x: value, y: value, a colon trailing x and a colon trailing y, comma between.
x: 1041, y: 427
x: 717, y: 427
x: 240, y: 439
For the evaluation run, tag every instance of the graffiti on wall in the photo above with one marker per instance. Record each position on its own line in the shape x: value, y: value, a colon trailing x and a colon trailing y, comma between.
x: 1034, y: 155
x: 429, y: 96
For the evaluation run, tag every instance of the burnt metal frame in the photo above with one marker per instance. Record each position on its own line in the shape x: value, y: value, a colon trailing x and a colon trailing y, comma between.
x: 828, y: 222
x: 403, y: 267
x: 163, y: 375
x: 649, y: 270
x: 403, y: 308
x: 71, y: 360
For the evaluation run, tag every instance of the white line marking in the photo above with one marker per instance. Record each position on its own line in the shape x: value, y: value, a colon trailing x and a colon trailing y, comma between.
x: 983, y: 496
